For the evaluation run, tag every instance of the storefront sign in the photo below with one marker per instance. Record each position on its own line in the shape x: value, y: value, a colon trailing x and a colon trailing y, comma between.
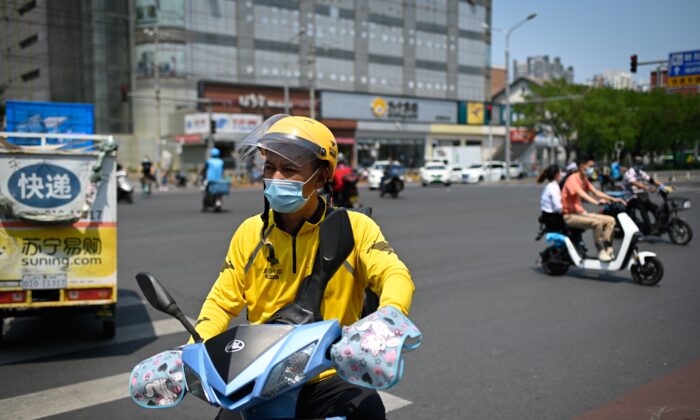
x: 386, y: 108
x: 225, y: 123
x: 475, y: 113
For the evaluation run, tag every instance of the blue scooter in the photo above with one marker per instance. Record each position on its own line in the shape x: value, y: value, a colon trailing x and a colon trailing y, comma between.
x: 255, y: 370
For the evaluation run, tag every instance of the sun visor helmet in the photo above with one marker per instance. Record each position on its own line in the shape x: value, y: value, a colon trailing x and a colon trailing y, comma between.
x: 300, y: 140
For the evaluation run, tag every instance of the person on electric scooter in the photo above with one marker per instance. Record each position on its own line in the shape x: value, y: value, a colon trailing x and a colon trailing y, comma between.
x: 636, y: 194
x: 341, y: 171
x: 148, y: 177
x: 271, y: 253
x: 550, y: 200
x: 576, y: 188
x: 212, y: 171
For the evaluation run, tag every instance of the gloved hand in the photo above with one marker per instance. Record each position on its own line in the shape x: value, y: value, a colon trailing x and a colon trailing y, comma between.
x: 370, y: 351
x: 159, y: 381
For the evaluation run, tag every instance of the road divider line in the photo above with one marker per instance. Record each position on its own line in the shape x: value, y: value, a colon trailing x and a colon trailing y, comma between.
x: 125, y: 334
x: 65, y: 398
x: 86, y: 394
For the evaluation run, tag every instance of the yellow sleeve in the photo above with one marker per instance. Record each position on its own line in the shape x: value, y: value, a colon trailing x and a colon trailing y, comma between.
x: 386, y: 274
x: 226, y: 298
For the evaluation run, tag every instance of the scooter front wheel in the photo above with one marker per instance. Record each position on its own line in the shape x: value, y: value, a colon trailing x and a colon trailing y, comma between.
x: 649, y: 273
x: 680, y: 232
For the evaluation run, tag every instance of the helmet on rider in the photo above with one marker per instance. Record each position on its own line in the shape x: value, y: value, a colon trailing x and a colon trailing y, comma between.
x: 215, y: 152
x: 300, y: 140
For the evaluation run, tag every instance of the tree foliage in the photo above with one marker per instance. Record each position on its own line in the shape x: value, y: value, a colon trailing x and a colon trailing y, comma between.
x: 593, y: 120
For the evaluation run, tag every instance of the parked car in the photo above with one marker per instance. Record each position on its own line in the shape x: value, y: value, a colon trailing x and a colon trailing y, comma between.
x: 435, y: 173
x: 456, y: 174
x: 376, y: 172
x: 517, y: 170
x: 485, y: 171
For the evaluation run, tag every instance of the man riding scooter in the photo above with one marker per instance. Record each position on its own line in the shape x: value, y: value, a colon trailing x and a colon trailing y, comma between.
x: 636, y: 194
x: 576, y: 188
x: 344, y: 184
x: 214, y: 172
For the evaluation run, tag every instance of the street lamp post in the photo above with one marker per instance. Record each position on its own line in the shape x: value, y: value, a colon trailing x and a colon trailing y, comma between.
x: 286, y: 71
x: 155, y: 33
x: 507, y: 139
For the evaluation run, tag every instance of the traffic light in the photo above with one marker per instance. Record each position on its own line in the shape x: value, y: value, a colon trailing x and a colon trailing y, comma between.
x: 124, y: 91
x: 633, y: 63
x: 212, y: 126
x: 487, y: 113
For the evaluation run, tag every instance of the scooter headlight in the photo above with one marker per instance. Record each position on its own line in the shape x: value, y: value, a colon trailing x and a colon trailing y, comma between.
x: 194, y: 385
x: 288, y: 372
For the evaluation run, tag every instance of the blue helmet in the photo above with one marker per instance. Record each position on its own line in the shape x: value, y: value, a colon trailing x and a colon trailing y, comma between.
x: 215, y: 152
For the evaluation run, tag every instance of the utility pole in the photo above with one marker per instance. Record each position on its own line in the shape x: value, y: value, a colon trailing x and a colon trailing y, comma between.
x: 156, y: 60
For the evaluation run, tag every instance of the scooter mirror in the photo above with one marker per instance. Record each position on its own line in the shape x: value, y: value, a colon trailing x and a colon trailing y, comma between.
x: 155, y: 293
x: 160, y: 299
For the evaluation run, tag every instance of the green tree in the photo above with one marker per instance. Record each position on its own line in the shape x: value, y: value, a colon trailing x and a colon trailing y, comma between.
x: 554, y: 109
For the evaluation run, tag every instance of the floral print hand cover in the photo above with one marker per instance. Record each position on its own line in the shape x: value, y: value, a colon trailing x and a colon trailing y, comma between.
x: 158, y: 382
x: 369, y: 353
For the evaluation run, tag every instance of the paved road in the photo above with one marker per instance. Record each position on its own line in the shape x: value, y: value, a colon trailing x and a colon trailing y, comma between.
x: 502, y: 340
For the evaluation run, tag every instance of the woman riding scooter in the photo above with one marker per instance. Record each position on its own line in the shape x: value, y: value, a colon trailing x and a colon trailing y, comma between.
x: 550, y: 201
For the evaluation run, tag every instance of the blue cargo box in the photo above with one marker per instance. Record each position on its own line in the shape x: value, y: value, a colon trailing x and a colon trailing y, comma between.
x: 50, y: 117
x: 219, y: 187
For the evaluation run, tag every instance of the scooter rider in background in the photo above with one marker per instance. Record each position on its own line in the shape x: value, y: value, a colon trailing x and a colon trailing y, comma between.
x: 271, y: 254
x: 636, y: 194
x: 550, y: 201
x: 148, y: 177
x: 213, y: 171
x: 340, y: 172
x: 576, y: 188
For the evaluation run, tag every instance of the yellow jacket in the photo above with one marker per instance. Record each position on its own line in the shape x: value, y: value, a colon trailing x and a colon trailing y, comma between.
x: 247, y: 278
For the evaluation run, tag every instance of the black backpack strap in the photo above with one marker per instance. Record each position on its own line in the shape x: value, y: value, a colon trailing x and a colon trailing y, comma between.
x: 307, y: 305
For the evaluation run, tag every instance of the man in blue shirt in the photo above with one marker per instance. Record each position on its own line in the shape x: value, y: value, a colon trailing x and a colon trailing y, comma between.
x: 214, y: 172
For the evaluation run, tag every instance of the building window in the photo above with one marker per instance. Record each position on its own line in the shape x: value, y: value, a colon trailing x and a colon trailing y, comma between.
x: 26, y: 7
x: 29, y: 41
x: 30, y: 75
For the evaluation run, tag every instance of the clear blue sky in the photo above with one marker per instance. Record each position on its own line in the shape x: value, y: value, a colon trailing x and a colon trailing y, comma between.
x: 597, y: 35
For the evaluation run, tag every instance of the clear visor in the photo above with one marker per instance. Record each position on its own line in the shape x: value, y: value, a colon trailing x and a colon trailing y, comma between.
x: 297, y: 150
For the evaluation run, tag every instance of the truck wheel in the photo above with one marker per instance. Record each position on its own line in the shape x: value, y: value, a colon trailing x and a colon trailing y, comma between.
x: 648, y: 274
x: 109, y: 328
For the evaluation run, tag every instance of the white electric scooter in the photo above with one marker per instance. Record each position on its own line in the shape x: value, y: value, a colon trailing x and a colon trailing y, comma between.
x: 645, y: 267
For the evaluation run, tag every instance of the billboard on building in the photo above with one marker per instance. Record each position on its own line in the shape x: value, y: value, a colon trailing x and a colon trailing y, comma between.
x: 386, y: 108
x: 49, y: 117
x: 160, y: 12
x: 475, y: 113
x: 171, y: 58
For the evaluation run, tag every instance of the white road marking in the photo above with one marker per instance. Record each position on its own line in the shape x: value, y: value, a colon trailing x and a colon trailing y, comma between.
x: 124, y: 335
x: 65, y: 398
x: 392, y: 402
x: 68, y: 398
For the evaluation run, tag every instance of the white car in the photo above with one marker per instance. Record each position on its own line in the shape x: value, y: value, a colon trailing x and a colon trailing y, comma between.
x: 517, y: 170
x: 456, y: 174
x: 376, y: 172
x: 486, y: 171
x: 435, y: 173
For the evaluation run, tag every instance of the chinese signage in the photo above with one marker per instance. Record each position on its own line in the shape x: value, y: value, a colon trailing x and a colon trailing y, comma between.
x: 83, y: 255
x: 51, y: 184
x: 684, y: 68
x: 56, y: 256
x: 386, y: 108
x: 225, y: 123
